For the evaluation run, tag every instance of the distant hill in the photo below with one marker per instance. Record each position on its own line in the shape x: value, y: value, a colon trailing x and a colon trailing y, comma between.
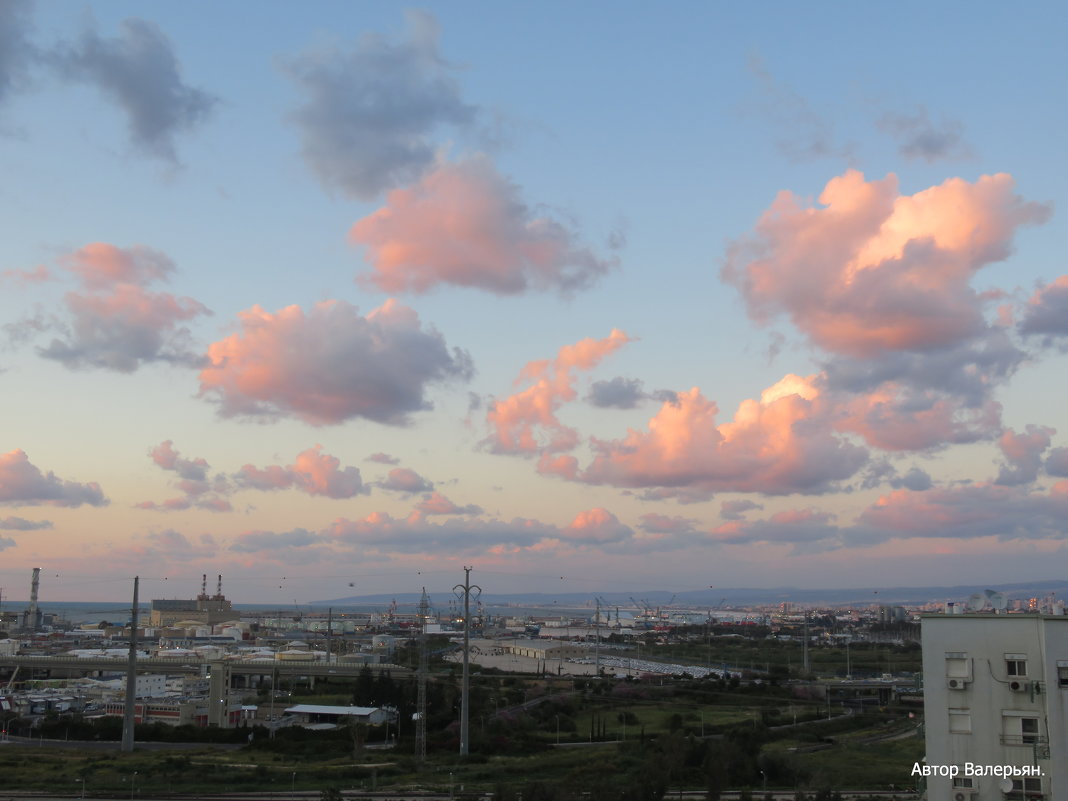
x: 742, y: 596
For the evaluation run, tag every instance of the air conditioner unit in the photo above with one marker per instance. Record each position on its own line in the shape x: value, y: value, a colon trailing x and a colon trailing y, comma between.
x: 963, y: 793
x: 1020, y: 686
x: 958, y: 684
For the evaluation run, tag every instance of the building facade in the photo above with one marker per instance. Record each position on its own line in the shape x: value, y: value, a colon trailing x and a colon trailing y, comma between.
x: 995, y: 696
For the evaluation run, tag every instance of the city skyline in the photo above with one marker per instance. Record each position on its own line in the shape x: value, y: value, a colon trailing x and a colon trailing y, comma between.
x: 580, y: 296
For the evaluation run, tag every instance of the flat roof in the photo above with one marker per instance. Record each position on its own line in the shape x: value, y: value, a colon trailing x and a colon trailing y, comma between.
x: 323, y: 709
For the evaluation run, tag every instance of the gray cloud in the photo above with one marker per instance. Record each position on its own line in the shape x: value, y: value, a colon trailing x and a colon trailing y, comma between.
x: 16, y: 52
x: 21, y: 524
x: 369, y: 113
x: 806, y: 135
x: 625, y: 393
x: 734, y: 510
x: 402, y: 479
x: 1057, y: 462
x: 920, y: 138
x: 140, y: 72
x: 1047, y: 313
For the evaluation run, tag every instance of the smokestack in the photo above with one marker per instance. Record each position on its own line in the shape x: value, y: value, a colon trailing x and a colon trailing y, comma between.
x: 218, y: 589
x: 203, y: 586
x: 31, y: 615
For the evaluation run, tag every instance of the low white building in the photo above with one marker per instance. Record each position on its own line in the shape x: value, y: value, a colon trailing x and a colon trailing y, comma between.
x: 996, y: 707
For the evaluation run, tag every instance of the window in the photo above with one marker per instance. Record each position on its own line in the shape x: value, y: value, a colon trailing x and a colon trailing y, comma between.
x: 1029, y: 730
x: 1062, y: 675
x: 963, y: 783
x: 1020, y: 729
x: 1025, y: 789
x: 960, y: 721
x: 1015, y: 666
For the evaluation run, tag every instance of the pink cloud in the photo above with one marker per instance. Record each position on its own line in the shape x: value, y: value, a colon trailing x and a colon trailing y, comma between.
x: 166, y: 457
x: 115, y: 323
x: 437, y: 504
x: 782, y: 443
x: 526, y: 421
x: 101, y: 266
x: 466, y: 225
x: 1023, y: 454
x: 312, y: 472
x: 403, y: 479
x: 893, y: 418
x: 23, y: 484
x: 971, y: 511
x: 38, y: 275
x: 598, y: 526
x: 330, y: 364
x: 870, y: 270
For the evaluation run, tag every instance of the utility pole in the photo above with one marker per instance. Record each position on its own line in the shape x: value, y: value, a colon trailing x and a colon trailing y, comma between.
x: 424, y: 661
x: 465, y: 689
x: 131, y: 679
x: 597, y: 642
x: 329, y: 631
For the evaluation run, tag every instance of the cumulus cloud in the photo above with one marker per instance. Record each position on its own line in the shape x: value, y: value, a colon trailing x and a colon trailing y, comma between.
x: 1023, y: 454
x: 464, y: 224
x: 6, y: 542
x: 140, y: 72
x: 21, y: 524
x: 115, y: 323
x: 369, y: 113
x: 526, y: 422
x: 870, y: 270
x: 1047, y: 312
x: 971, y: 511
x: 313, y: 472
x: 403, y: 479
x: 23, y: 484
x: 625, y: 393
x: 807, y: 530
x: 437, y: 504
x: 782, y: 443
x: 330, y: 364
x: 918, y: 137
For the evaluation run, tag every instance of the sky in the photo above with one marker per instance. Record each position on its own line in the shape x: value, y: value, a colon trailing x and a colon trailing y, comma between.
x: 338, y: 298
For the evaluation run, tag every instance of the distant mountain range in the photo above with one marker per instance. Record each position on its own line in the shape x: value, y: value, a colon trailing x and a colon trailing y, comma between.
x: 742, y: 596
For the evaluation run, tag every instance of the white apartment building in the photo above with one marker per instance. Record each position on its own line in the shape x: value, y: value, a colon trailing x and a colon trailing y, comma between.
x: 996, y: 706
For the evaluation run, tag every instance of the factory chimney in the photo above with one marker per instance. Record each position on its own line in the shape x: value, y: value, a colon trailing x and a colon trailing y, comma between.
x: 33, y: 616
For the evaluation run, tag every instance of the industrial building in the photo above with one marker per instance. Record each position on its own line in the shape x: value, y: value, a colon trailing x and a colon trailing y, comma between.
x: 995, y: 702
x: 204, y: 609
